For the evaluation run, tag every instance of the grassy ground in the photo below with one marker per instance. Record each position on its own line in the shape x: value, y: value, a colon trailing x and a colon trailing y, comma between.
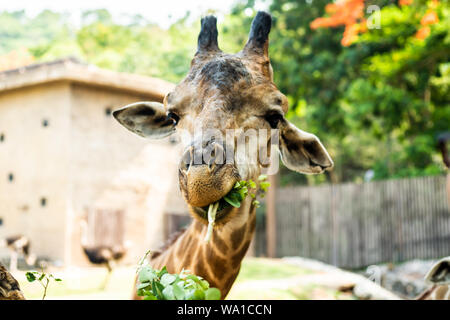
x: 273, y: 279
x: 260, y: 278
x: 261, y: 268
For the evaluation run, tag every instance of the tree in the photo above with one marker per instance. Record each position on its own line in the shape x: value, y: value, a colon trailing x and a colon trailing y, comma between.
x: 376, y: 97
x: 376, y: 102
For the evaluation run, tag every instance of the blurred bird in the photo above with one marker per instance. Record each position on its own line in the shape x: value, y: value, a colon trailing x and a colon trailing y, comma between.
x: 18, y: 244
x: 102, y: 254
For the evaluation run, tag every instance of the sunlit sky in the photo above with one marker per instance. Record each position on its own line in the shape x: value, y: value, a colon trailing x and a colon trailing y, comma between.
x: 162, y: 12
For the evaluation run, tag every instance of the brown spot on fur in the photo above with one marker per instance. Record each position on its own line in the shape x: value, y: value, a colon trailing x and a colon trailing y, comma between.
x: 187, y: 259
x: 184, y: 245
x: 252, y: 225
x: 229, y: 282
x: 237, y: 236
x: 237, y: 257
x: 171, y: 240
x: 200, y: 269
x: 217, y: 264
x: 198, y: 226
x: 219, y: 243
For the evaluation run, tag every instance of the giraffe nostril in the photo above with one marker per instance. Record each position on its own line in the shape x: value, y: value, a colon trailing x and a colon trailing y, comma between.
x: 187, y: 160
x: 212, y: 155
x: 217, y: 156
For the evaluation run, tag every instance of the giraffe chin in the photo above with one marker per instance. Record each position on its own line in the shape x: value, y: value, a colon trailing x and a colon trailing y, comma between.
x: 202, y: 186
x: 201, y: 214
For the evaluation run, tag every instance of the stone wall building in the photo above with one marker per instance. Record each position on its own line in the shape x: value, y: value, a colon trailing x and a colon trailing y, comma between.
x: 63, y: 158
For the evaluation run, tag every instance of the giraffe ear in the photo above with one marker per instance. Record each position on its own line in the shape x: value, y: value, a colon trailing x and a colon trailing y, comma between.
x: 302, y: 151
x: 440, y: 272
x: 147, y: 119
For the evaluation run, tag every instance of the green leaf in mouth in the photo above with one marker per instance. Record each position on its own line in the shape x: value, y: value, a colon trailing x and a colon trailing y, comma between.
x: 231, y: 199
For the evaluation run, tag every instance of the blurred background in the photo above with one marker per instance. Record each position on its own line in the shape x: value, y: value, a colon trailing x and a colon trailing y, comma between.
x: 369, y: 77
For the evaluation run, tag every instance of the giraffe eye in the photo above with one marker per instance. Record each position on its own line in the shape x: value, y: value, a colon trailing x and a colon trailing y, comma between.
x: 173, y: 116
x: 274, y: 119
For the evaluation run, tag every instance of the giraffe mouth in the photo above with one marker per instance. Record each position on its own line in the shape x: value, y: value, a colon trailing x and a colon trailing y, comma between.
x: 202, y: 213
x: 201, y: 186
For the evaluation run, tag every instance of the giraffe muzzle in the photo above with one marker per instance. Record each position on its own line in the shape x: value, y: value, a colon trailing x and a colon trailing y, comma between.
x: 201, y: 186
x: 204, y: 176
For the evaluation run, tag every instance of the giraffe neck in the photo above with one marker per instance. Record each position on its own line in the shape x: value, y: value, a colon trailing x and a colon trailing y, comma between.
x: 219, y: 260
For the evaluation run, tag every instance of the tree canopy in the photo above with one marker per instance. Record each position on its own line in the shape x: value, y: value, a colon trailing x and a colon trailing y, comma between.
x: 373, y: 85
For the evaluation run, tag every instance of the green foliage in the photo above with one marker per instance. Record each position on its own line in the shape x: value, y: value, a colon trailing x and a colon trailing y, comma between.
x: 377, y: 104
x: 234, y: 198
x: 237, y: 194
x: 241, y: 190
x: 43, y: 279
x: 18, y: 31
x: 161, y: 285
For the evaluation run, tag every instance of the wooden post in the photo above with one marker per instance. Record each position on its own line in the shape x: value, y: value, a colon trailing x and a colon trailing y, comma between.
x: 271, y: 227
x: 334, y: 225
x: 448, y: 189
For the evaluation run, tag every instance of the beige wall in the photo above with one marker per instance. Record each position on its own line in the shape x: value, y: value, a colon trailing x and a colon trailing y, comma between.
x: 38, y: 158
x: 83, y: 161
x: 111, y: 168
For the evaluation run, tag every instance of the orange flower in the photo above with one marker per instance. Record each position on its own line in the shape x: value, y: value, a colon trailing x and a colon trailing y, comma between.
x: 348, y: 13
x: 429, y: 18
x: 423, y: 32
x: 405, y: 2
x: 350, y: 35
x: 15, y: 59
x: 341, y: 13
x: 317, y: 23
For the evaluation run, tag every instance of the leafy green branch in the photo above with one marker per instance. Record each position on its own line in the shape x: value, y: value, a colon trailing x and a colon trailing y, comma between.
x: 235, y: 197
x: 242, y: 188
x: 161, y: 285
x: 43, y: 279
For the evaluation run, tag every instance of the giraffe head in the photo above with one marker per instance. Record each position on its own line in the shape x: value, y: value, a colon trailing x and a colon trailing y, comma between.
x: 222, y: 104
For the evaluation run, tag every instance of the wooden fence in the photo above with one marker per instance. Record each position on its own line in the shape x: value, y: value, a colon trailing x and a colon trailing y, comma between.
x: 356, y: 225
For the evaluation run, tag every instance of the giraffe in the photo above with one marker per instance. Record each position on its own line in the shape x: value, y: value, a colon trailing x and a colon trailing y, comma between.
x: 222, y: 93
x: 439, y: 274
x: 9, y: 287
x: 439, y: 277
